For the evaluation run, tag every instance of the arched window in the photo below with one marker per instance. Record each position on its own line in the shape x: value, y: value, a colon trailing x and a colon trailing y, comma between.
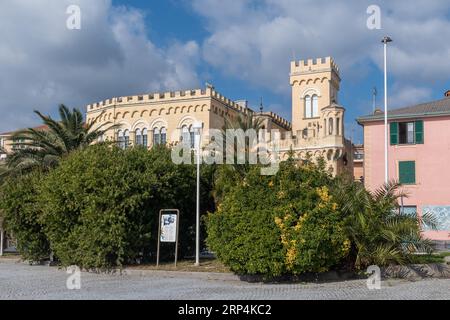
x: 308, y: 107
x: 338, y: 124
x: 156, y: 136
x: 315, y: 106
x: 163, y: 135
x: 144, y: 137
x: 126, y: 139
x: 138, y: 137
x: 330, y: 126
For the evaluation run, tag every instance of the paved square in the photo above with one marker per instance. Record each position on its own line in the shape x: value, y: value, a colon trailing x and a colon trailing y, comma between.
x: 21, y: 281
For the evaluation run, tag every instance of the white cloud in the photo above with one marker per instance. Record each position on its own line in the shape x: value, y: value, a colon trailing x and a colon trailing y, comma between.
x: 255, y: 40
x: 406, y: 96
x: 42, y: 63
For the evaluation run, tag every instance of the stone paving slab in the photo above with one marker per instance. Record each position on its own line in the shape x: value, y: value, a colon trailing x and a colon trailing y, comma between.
x: 21, y: 281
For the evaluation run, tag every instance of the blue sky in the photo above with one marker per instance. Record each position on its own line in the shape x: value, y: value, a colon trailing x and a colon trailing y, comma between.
x: 243, y: 47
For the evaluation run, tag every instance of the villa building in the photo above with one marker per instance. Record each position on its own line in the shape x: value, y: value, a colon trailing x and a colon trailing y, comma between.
x: 418, y: 157
x: 317, y: 128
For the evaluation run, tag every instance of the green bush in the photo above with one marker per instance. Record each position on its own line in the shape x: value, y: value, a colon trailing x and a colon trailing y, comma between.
x: 101, y: 205
x: 380, y: 233
x: 21, y: 210
x: 272, y: 225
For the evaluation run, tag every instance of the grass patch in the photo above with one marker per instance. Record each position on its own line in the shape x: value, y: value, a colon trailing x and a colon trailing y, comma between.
x: 206, y: 265
x: 429, y: 258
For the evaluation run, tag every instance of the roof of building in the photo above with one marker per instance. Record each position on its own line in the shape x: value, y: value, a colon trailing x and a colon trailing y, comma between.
x: 428, y: 109
x: 41, y: 127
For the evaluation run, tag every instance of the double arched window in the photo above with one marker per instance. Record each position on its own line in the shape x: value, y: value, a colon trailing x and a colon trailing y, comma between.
x: 140, y: 138
x: 159, y: 136
x: 311, y: 106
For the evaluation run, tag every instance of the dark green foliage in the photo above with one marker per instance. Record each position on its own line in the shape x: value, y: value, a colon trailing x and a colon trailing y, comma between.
x: 101, y: 205
x: 242, y: 232
x: 279, y: 224
x: 20, y: 206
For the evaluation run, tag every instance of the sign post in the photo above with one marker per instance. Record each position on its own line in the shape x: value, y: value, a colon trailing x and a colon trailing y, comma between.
x: 168, y: 225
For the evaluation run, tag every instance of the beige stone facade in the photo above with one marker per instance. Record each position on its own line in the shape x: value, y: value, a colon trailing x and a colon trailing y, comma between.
x: 167, y: 117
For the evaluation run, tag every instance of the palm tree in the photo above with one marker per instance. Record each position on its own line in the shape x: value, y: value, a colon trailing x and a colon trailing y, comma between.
x: 44, y: 148
x: 245, y: 123
x: 380, y: 232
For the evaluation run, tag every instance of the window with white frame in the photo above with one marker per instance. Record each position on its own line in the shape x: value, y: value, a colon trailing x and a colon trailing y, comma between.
x: 145, y: 137
x: 120, y: 139
x: 138, y: 137
x: 315, y: 106
x: 308, y: 108
x: 163, y: 139
x: 156, y: 136
x: 126, y: 139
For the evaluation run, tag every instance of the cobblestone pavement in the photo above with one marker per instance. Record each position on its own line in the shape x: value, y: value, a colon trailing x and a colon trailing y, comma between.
x: 21, y: 281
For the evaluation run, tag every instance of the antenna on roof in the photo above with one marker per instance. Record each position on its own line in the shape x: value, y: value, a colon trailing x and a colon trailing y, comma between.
x: 374, y: 98
x: 261, y: 107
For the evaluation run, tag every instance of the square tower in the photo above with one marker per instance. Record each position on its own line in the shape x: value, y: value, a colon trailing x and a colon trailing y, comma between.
x: 315, y: 86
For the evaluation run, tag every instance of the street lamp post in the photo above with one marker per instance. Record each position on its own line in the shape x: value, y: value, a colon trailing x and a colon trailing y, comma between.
x: 197, y: 126
x: 385, y: 41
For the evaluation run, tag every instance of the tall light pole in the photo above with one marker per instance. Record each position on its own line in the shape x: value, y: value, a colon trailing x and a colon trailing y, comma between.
x: 197, y: 126
x: 385, y: 41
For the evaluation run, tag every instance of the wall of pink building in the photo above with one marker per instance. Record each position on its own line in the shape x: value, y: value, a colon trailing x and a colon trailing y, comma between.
x: 432, y: 165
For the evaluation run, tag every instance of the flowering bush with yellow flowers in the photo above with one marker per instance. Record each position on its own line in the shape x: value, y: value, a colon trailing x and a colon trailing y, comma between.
x: 314, y: 239
x: 283, y: 224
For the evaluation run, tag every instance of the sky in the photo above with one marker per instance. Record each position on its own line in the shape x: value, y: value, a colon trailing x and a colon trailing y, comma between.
x: 242, y: 47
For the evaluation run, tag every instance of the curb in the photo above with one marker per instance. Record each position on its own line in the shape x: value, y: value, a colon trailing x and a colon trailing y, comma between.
x: 418, y: 271
x: 10, y: 260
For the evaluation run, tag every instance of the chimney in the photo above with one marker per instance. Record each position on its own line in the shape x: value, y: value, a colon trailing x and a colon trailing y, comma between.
x: 447, y: 94
x: 378, y: 111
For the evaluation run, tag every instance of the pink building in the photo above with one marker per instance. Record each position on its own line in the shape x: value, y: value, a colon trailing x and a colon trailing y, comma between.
x: 418, y: 157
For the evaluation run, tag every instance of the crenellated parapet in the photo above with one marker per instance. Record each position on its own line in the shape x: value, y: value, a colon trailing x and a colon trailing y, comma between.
x: 165, y: 97
x: 278, y: 120
x: 314, y: 65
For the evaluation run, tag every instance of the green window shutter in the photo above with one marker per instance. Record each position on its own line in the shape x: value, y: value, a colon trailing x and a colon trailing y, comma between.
x: 419, y: 131
x: 394, y: 133
x: 407, y: 172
